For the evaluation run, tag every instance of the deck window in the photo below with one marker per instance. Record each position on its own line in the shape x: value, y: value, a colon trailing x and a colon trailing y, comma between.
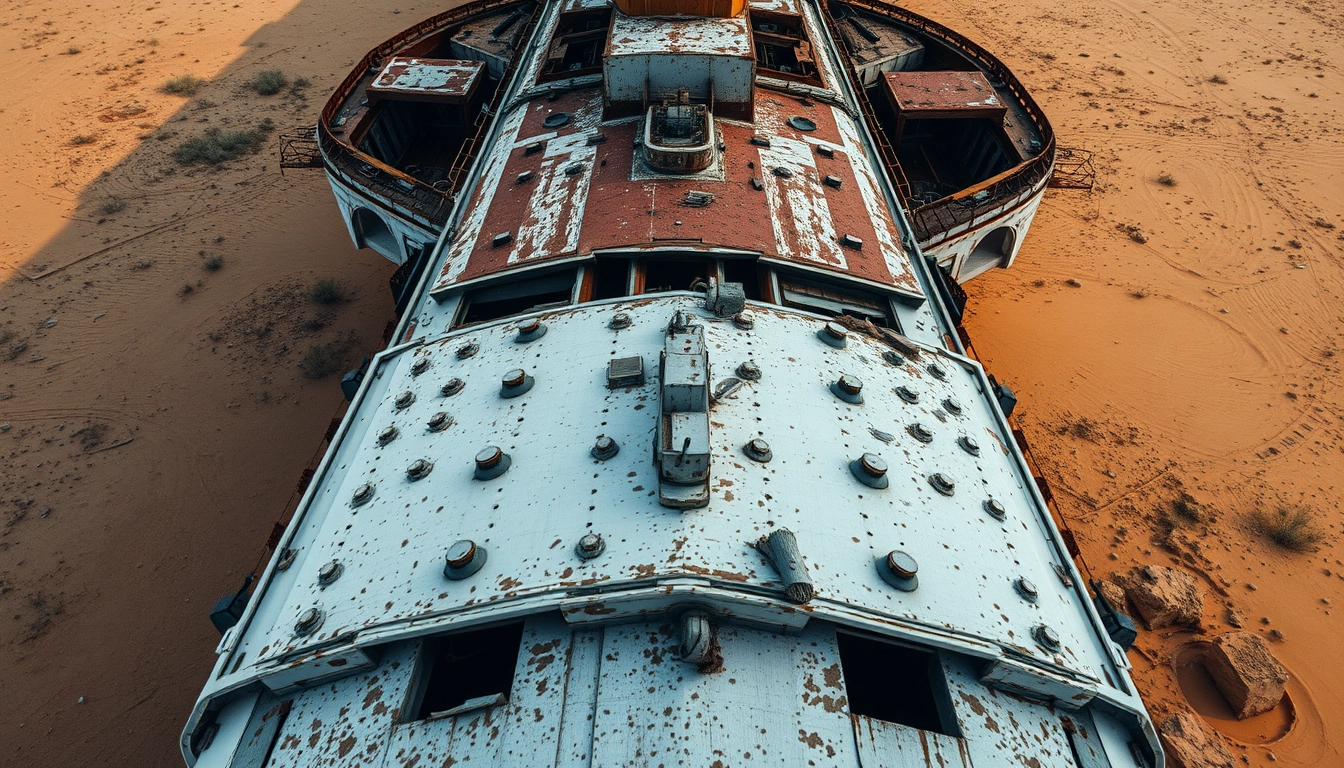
x: 832, y: 299
x: 516, y: 297
x: 663, y: 275
x: 468, y: 670
x: 896, y: 683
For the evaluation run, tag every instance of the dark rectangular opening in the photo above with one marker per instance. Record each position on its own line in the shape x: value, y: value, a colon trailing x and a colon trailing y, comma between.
x: 610, y: 278
x: 469, y: 665
x: 662, y: 275
x: 514, y: 298
x: 896, y: 683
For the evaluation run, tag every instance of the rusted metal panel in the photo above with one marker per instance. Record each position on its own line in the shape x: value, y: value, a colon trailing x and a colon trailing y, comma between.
x: 943, y: 94
x: 777, y: 701
x: 995, y: 724
x: 414, y: 79
x: 892, y: 745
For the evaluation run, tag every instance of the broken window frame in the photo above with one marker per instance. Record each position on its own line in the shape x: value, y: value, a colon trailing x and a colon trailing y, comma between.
x: 858, y: 673
x: 431, y: 656
x: 551, y: 284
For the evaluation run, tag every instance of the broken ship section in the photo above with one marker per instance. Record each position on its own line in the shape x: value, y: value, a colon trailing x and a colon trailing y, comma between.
x: 675, y: 459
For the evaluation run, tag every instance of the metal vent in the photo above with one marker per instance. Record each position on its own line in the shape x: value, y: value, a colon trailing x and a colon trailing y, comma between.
x: 625, y: 372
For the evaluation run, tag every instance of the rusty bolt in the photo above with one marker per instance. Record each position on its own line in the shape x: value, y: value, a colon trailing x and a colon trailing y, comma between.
x: 1026, y: 589
x: 420, y: 366
x: 744, y: 321
x: 900, y: 570
x: 969, y: 445
x: 920, y: 432
x: 452, y: 387
x: 749, y: 371
x: 1046, y: 637
x: 491, y: 462
x: 516, y: 382
x: 605, y: 448
x: 463, y: 559
x: 530, y: 330
x: 405, y: 399
x: 848, y: 388
x: 329, y: 573
x: 388, y: 434
x: 952, y: 407
x: 942, y: 483
x: 468, y: 350
x: 937, y: 371
x: 996, y: 509
x: 834, y: 334
x: 308, y: 622
x: 287, y: 556
x: 758, y: 450
x: 620, y: 321
x: 871, y: 470
x: 907, y: 394
x: 362, y: 494
x: 590, y: 546
x: 419, y: 469
x: 893, y: 358
x: 439, y: 421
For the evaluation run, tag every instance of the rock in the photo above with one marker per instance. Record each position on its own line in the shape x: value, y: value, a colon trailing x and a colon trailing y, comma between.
x: 1113, y: 594
x: 1246, y: 672
x: 1190, y: 745
x: 1163, y: 596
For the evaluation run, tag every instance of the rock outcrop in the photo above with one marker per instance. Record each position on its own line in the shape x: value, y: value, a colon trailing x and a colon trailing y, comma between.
x: 1164, y: 597
x: 1190, y: 745
x: 1113, y: 593
x: 1246, y: 672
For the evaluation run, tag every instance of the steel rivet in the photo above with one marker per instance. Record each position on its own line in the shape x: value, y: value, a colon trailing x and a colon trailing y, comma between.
x: 900, y: 570
x: 907, y: 394
x: 439, y: 421
x: 329, y: 573
x: 605, y: 448
x: 308, y: 622
x: 848, y: 388
x: 871, y: 470
x: 969, y: 445
x: 468, y: 350
x: 530, y: 330
x: 758, y: 450
x: 937, y: 371
x: 590, y: 545
x: 419, y: 469
x: 744, y: 321
x: 420, y: 366
x: 995, y: 509
x: 362, y: 494
x: 388, y: 434
x: 463, y: 559
x: 452, y: 387
x: 405, y: 399
x: 491, y: 462
x: 942, y: 483
x: 952, y: 406
x: 920, y: 432
x: 516, y: 382
x: 620, y: 321
x: 749, y: 371
x: 1026, y: 589
x: 834, y: 334
x: 1046, y: 637
x: 892, y: 358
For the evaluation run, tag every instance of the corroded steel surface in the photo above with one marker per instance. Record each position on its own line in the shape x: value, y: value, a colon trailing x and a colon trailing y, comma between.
x: 424, y: 78
x: 921, y: 94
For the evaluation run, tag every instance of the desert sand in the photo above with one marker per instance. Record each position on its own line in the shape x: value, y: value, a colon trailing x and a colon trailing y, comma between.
x: 153, y: 318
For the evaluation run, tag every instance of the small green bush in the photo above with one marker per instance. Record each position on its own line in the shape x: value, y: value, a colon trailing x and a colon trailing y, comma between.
x: 270, y: 82
x: 218, y: 146
x: 186, y: 85
x: 327, y: 293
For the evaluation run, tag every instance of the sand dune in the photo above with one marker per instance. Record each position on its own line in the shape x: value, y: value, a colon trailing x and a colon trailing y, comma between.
x: 158, y: 419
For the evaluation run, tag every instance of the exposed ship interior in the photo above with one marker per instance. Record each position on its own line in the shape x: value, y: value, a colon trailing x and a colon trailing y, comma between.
x: 675, y: 456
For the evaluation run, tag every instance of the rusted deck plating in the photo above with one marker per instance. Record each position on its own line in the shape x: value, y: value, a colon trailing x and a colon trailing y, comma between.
x: 327, y: 658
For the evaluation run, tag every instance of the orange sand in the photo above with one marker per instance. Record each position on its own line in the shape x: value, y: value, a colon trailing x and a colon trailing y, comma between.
x: 109, y: 591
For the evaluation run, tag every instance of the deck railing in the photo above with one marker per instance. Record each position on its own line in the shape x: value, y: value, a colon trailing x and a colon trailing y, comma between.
x: 935, y: 221
x: 423, y: 201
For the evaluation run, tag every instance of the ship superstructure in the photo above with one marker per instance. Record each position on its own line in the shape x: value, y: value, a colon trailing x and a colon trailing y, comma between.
x: 675, y: 457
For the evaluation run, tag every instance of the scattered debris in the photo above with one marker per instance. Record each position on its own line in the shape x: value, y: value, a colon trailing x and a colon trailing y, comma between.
x: 1185, y: 739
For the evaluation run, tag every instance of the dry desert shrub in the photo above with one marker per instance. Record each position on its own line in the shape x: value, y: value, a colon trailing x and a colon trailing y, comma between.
x: 216, y: 146
x: 270, y: 82
x: 1293, y: 528
x: 186, y: 85
x: 1166, y: 180
x: 328, y: 293
x: 322, y: 360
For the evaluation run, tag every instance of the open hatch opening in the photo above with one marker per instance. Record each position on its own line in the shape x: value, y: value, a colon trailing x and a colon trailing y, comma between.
x: 896, y: 683
x: 469, y: 668
x: 516, y: 297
